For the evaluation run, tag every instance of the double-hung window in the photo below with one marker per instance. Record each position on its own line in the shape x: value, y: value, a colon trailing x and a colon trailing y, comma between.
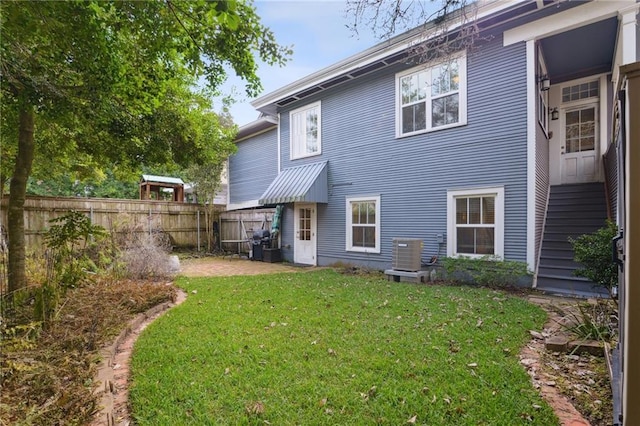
x: 305, y: 126
x: 432, y: 98
x: 475, y: 222
x: 363, y: 224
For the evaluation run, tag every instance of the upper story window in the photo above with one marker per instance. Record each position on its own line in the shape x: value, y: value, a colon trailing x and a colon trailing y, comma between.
x: 305, y: 125
x: 432, y: 98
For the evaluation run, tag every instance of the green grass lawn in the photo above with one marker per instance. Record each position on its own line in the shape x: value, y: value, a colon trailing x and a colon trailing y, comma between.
x: 321, y: 348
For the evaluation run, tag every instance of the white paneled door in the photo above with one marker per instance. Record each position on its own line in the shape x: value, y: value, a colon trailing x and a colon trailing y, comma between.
x: 304, y: 250
x: 580, y: 154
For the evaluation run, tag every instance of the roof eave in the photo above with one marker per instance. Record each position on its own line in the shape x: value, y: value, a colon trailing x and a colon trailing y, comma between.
x: 267, y: 104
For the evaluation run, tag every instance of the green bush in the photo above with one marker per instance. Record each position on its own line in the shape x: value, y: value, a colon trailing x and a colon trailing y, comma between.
x: 487, y: 271
x: 594, y: 252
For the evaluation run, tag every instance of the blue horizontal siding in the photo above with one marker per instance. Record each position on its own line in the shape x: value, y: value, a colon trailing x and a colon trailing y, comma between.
x: 253, y: 167
x: 413, y: 174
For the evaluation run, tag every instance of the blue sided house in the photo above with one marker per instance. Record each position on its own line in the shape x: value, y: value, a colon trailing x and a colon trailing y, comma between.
x: 491, y: 148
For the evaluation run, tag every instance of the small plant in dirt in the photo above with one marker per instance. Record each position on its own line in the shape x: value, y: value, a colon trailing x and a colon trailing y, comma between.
x: 488, y: 271
x: 594, y: 252
x: 593, y: 321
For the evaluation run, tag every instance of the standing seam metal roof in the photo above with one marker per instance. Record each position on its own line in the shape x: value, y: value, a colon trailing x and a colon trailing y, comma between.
x: 306, y: 183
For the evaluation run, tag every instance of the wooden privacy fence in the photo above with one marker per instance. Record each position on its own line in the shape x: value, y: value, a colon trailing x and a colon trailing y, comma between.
x: 237, y: 228
x: 183, y: 222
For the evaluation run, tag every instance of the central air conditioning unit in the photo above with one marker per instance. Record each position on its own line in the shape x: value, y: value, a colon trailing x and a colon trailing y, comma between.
x: 407, y: 254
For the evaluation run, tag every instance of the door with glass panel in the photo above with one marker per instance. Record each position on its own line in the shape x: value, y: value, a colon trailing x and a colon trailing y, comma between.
x: 579, y: 154
x: 304, y: 248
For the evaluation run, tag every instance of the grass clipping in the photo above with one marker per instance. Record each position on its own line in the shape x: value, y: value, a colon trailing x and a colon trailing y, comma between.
x: 47, y: 378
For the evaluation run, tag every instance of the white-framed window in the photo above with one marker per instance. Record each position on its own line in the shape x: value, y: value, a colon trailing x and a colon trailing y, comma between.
x: 305, y: 131
x: 475, y: 222
x: 543, y: 95
x: 431, y: 98
x: 363, y: 224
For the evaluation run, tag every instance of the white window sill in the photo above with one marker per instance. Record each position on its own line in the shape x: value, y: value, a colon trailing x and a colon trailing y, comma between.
x: 305, y: 156
x: 363, y: 250
x: 435, y: 129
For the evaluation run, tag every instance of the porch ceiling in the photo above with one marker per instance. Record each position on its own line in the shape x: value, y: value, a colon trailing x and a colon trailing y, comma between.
x: 581, y: 52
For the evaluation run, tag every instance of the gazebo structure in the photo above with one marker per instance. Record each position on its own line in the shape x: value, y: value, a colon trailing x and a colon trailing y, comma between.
x: 157, y: 185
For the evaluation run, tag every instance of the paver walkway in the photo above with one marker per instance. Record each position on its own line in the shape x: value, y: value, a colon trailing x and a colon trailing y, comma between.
x: 226, y: 267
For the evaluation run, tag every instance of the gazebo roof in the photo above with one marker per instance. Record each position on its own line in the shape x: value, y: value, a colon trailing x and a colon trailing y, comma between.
x: 162, y: 179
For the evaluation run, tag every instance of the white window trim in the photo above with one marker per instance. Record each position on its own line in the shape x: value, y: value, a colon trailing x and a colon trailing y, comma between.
x: 498, y: 192
x: 298, y: 110
x: 543, y: 95
x: 462, y: 93
x: 349, y: 224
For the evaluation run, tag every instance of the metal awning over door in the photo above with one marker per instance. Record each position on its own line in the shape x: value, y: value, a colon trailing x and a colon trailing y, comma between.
x: 301, y: 184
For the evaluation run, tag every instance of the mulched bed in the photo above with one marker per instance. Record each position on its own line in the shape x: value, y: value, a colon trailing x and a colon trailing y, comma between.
x: 48, y: 378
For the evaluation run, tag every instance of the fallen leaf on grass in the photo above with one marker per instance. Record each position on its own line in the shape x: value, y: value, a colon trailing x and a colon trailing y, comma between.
x: 412, y: 420
x: 472, y: 365
x: 256, y: 408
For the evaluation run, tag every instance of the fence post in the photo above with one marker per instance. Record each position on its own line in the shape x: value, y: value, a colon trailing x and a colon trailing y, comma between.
x: 198, y: 222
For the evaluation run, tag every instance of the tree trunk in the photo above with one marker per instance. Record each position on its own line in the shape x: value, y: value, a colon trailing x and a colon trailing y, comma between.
x: 17, y: 193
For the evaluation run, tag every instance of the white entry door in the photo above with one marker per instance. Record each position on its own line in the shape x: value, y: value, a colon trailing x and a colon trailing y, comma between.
x: 304, y: 248
x: 580, y: 157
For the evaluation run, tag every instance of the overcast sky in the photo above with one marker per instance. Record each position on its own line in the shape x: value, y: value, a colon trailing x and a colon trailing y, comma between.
x: 317, y: 31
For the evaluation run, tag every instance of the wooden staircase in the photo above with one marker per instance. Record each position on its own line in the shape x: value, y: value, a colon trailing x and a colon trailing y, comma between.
x: 573, y: 210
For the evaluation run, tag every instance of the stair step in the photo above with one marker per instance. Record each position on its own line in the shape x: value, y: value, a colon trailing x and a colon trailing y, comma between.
x: 566, y: 262
x: 573, y: 210
x: 554, y: 252
x: 558, y: 245
x: 577, y: 286
x: 557, y: 271
x: 557, y: 220
x: 569, y: 213
x: 571, y: 229
x: 580, y: 187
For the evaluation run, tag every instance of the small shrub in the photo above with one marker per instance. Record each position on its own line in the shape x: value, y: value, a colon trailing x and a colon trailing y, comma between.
x: 487, y: 271
x: 594, y: 252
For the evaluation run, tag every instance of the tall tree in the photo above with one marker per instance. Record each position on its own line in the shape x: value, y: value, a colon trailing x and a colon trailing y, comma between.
x: 87, y: 84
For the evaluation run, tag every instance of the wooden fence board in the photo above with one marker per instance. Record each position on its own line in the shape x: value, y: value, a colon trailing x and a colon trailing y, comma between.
x: 179, y: 220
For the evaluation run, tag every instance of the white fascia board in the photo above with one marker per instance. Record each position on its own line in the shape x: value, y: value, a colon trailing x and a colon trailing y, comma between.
x: 575, y: 17
x: 373, y: 54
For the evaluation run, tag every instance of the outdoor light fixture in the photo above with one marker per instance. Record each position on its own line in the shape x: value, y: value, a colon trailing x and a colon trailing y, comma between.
x: 555, y: 114
x: 545, y: 83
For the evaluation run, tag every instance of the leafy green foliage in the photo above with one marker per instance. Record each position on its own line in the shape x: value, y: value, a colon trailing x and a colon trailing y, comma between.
x: 324, y: 348
x: 106, y: 186
x: 487, y: 271
x: 96, y: 83
x: 67, y: 260
x: 594, y: 252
